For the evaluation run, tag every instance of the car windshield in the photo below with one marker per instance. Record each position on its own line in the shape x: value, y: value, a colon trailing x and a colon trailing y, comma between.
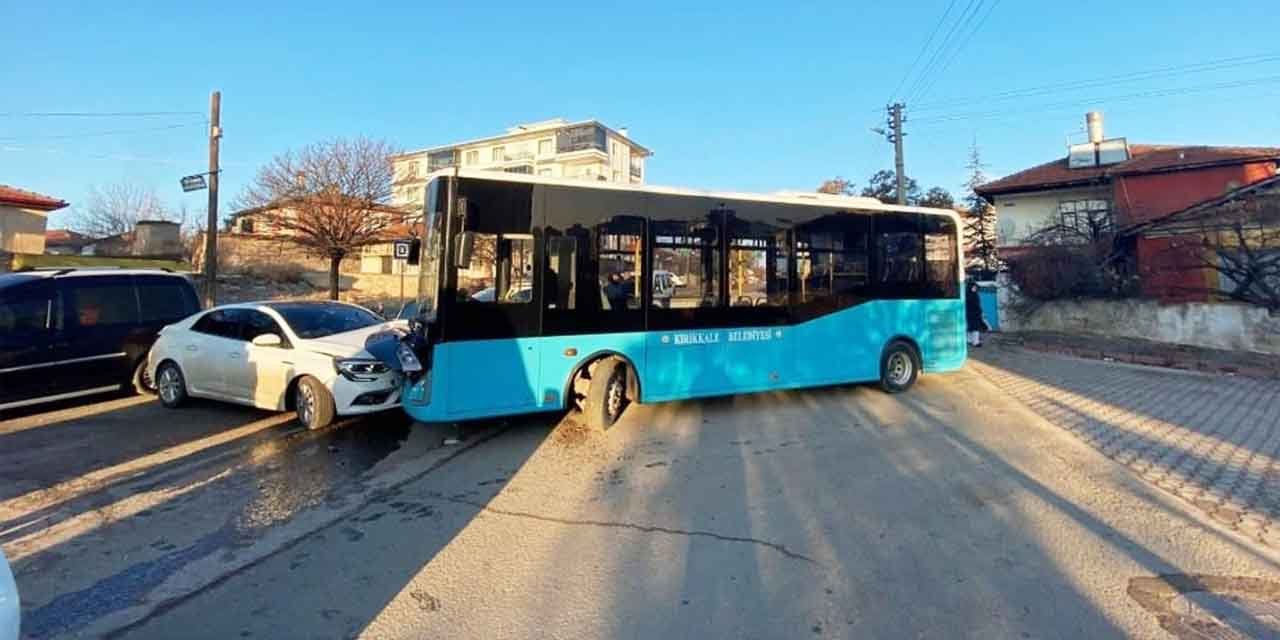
x: 320, y: 319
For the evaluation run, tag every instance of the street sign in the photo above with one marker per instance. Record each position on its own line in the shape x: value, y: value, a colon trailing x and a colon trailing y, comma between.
x: 401, y: 249
x: 193, y: 183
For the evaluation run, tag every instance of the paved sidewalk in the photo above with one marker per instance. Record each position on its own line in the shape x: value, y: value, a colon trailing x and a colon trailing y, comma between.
x: 1213, y: 440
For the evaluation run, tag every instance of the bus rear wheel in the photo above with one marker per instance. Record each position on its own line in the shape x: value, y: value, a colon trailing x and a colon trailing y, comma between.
x: 607, y: 394
x: 899, y: 367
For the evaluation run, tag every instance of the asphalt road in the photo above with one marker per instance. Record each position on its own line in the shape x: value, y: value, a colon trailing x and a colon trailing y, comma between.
x: 950, y: 511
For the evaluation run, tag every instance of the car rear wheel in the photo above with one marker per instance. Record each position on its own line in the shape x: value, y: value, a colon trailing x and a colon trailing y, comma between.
x: 899, y: 367
x: 607, y: 394
x: 313, y: 403
x: 171, y: 385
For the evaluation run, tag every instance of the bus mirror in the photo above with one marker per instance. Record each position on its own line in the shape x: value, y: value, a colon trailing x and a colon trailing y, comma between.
x: 466, y: 241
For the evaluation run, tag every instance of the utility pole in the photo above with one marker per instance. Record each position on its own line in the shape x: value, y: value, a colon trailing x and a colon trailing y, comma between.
x: 895, y: 136
x: 211, y: 231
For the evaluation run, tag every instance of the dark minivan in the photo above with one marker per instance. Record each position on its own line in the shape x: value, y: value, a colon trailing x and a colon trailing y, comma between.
x: 74, y: 332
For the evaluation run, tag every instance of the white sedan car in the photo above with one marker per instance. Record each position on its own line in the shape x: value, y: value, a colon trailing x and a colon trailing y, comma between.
x: 303, y: 356
x: 8, y: 602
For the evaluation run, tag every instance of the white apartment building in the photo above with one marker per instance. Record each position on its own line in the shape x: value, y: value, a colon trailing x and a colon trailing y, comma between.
x: 558, y: 148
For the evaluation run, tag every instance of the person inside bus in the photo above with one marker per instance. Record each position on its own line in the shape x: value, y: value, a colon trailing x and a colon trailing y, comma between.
x: 616, y: 292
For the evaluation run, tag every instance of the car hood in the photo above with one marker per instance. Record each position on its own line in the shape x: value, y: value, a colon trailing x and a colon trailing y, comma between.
x: 348, y: 344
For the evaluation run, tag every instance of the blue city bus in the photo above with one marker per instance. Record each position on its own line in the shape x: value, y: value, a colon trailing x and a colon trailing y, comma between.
x: 534, y: 296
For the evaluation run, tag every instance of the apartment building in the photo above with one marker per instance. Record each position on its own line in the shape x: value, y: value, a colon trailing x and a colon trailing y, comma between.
x: 557, y: 148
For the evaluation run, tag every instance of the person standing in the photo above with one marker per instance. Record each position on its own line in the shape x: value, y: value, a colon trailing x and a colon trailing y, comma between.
x: 974, y: 321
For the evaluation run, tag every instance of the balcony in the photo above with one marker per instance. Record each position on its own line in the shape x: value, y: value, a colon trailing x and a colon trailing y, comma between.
x: 583, y: 138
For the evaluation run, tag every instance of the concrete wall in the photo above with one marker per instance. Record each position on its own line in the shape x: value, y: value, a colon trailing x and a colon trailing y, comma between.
x: 1020, y: 214
x: 1214, y: 325
x: 22, y: 230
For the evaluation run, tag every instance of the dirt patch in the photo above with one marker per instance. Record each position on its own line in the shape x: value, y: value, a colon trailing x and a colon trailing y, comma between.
x: 572, y: 433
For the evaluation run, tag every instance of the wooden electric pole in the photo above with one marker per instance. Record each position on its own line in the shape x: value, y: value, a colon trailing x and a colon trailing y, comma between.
x: 895, y: 136
x: 211, y: 231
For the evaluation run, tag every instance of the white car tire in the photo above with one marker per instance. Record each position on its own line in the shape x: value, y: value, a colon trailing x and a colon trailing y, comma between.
x: 314, y: 404
x: 171, y: 386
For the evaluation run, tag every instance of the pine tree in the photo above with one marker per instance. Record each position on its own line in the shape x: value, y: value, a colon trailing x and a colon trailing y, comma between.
x: 981, y: 258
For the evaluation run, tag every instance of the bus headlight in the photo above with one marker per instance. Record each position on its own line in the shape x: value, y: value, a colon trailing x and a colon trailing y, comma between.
x: 409, y: 362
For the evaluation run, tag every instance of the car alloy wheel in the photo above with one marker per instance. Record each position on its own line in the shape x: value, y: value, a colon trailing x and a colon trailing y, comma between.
x: 170, y: 385
x: 306, y: 400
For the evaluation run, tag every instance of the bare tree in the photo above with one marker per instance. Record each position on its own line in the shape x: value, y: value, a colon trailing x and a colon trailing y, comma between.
x: 1238, y: 238
x: 116, y: 209
x: 329, y: 198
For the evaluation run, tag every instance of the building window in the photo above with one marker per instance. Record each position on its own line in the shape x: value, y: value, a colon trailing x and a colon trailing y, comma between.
x: 499, y: 153
x: 545, y: 147
x: 473, y: 157
x: 544, y: 172
x: 1087, y: 218
x: 246, y: 225
x: 412, y: 171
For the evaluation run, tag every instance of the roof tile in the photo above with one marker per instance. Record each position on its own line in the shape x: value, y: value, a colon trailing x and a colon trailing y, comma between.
x: 23, y: 198
x: 1143, y: 158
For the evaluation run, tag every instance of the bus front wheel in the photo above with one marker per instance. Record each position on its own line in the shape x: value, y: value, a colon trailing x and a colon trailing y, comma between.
x: 899, y: 367
x: 607, y: 394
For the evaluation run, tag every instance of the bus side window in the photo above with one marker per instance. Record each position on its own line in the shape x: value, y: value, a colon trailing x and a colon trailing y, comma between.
x: 941, y: 264
x: 758, y: 273
x: 618, y: 253
x: 559, y: 278
x: 687, y: 256
x: 501, y: 270
x: 899, y: 249
x: 832, y: 257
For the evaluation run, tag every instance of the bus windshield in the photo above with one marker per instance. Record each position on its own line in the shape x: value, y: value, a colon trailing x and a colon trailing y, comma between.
x: 433, y: 230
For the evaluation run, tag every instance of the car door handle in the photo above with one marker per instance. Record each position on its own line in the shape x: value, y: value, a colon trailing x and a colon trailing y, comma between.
x: 233, y: 356
x: 192, y: 347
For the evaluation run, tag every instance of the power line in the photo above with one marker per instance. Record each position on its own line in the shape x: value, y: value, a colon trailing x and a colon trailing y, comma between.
x: 96, y: 114
x: 1157, y: 93
x: 965, y: 17
x: 964, y: 42
x: 919, y: 54
x: 1048, y: 89
x: 95, y: 134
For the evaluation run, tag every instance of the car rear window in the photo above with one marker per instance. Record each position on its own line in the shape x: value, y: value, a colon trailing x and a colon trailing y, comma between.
x: 166, y: 299
x: 317, y: 319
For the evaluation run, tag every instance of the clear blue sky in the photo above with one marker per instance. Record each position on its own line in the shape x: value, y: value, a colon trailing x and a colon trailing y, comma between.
x: 752, y: 96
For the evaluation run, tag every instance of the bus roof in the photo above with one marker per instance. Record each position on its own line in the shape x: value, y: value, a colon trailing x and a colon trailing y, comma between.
x: 786, y: 197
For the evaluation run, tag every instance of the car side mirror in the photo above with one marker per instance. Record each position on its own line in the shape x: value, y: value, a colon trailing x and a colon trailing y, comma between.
x: 465, y: 242
x: 267, y: 340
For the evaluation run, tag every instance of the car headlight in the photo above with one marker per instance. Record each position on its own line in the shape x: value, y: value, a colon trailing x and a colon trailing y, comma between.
x: 359, y: 369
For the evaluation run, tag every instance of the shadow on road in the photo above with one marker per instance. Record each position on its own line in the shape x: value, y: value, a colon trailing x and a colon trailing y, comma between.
x: 1210, y: 440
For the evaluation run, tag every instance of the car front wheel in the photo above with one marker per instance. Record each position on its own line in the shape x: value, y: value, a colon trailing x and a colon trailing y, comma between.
x: 314, y: 404
x: 170, y: 385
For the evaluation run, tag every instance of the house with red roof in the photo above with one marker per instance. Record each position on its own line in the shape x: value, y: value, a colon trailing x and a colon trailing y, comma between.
x: 23, y: 216
x: 1107, y: 186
